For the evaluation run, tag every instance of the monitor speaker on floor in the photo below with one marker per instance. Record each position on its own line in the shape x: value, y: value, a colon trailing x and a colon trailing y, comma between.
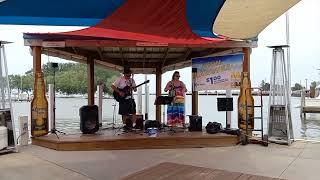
x: 195, y: 122
x: 89, y: 119
x: 139, y: 122
x: 151, y: 124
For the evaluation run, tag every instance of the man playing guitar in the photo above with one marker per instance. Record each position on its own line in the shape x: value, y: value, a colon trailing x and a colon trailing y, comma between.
x: 127, y: 106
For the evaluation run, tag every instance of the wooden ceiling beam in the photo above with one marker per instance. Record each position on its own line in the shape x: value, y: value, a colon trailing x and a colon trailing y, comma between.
x: 75, y: 50
x: 142, y: 65
x: 186, y: 55
x: 203, y: 53
x: 122, y: 56
x: 165, y: 56
x: 143, y: 52
x: 135, y: 62
x: 96, y: 55
x: 189, y: 55
x: 78, y: 51
x: 64, y: 55
x: 116, y: 61
x: 99, y: 49
x: 144, y: 56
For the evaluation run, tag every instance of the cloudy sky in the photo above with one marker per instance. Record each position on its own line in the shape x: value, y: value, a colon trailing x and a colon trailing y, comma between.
x: 304, y: 39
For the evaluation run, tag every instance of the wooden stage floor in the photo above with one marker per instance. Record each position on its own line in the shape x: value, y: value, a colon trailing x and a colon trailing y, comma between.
x: 116, y: 139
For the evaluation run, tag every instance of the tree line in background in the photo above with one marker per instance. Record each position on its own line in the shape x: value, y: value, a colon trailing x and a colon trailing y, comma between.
x: 266, y: 86
x: 70, y: 78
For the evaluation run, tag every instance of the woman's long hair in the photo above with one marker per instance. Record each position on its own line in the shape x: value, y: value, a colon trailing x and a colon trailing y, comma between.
x: 175, y: 73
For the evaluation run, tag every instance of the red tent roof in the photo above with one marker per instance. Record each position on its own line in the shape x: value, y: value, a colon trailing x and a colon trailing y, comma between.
x: 164, y: 23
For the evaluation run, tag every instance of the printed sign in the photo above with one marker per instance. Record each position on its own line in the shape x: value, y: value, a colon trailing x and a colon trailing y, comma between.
x: 53, y: 44
x: 217, y: 73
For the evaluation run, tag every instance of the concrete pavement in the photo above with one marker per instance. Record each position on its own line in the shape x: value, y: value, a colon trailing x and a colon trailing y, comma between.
x: 299, y: 161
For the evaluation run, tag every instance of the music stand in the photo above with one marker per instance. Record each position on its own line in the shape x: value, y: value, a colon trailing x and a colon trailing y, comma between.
x: 225, y: 104
x: 164, y: 100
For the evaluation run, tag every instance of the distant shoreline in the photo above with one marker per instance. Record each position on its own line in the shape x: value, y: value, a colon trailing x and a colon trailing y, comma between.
x: 153, y: 94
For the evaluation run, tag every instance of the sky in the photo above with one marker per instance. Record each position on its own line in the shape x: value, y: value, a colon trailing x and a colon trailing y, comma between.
x: 304, y: 47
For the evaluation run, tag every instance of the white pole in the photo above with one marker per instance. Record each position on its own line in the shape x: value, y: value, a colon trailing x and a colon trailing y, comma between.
x: 139, y: 100
x: 289, y: 68
x: 3, y: 98
x: 228, y: 114
x: 9, y: 93
x: 20, y: 92
x: 288, y: 49
x: 146, y: 98
x: 51, y: 105
x: 303, y: 101
x: 100, y: 98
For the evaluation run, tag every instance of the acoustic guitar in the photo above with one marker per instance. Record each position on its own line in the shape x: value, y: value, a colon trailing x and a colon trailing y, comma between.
x: 127, y: 92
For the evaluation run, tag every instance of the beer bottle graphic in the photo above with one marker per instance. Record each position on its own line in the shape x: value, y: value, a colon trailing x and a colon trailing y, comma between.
x: 39, y: 107
x: 245, y: 95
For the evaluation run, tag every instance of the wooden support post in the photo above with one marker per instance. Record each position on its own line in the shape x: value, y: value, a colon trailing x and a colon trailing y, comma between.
x: 194, y: 94
x: 90, y: 65
x: 36, y: 52
x: 246, y: 60
x: 158, y: 93
x: 195, y: 103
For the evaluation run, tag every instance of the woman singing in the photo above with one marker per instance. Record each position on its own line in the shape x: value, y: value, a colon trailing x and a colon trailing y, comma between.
x: 176, y: 111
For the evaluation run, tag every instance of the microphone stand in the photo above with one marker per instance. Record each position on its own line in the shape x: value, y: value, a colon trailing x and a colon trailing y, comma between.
x: 131, y: 100
x: 53, y: 129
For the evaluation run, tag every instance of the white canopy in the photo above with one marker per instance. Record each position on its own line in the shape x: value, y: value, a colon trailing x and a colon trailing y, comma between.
x: 245, y: 19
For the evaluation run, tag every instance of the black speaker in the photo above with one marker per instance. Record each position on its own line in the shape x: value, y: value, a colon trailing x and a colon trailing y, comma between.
x: 129, y: 123
x: 139, y: 122
x: 225, y: 104
x: 89, y: 119
x: 195, y: 123
x: 151, y: 124
x: 194, y: 70
x: 54, y: 65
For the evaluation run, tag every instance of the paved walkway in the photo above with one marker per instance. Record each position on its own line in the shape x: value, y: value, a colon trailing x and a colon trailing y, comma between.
x: 297, y: 162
